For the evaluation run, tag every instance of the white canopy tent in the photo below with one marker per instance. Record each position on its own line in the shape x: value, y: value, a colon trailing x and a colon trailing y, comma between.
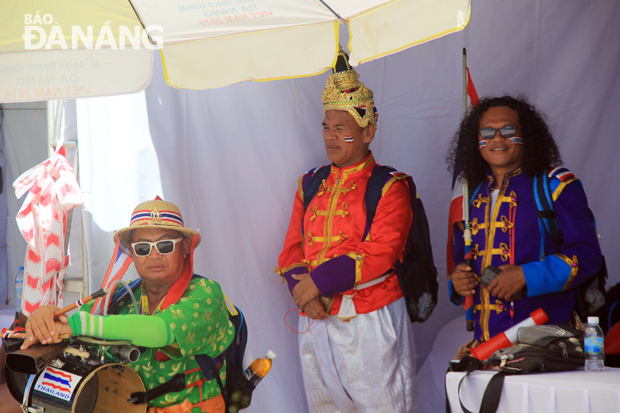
x: 87, y: 48
x: 230, y: 157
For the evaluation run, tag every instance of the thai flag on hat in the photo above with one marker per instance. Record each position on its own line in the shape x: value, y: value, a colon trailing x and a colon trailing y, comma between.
x: 169, y: 216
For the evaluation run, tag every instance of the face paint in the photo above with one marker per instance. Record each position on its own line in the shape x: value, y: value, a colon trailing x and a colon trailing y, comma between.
x: 348, y: 139
x: 482, y: 143
x: 516, y: 140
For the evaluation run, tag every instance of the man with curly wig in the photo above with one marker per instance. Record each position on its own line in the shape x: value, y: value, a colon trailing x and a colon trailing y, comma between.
x: 501, y: 147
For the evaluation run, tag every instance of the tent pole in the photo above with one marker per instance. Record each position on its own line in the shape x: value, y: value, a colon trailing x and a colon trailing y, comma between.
x: 58, y: 123
x: 469, y: 301
x: 50, y: 127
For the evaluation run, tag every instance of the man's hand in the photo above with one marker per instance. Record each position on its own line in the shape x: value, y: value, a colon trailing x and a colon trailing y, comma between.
x: 305, y: 291
x: 314, y: 310
x: 509, y: 282
x: 464, y: 280
x: 41, y: 327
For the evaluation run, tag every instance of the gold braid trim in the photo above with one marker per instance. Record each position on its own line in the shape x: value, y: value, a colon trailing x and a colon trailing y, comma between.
x: 281, y: 271
x: 359, y: 263
x: 498, y: 307
x: 504, y: 225
x: 393, y: 179
x: 476, y: 226
x: 561, y: 187
x: 574, y: 268
x: 479, y: 200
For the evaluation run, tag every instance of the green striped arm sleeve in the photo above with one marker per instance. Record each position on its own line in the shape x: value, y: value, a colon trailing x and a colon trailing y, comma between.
x: 141, y: 330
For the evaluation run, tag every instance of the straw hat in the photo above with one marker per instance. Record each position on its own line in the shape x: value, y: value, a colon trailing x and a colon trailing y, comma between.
x: 155, y: 214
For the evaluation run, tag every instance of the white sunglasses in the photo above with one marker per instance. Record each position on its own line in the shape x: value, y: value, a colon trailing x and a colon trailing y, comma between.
x: 164, y: 246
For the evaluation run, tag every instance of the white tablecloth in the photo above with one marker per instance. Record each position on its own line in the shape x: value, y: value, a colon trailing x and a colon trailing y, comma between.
x: 574, y: 391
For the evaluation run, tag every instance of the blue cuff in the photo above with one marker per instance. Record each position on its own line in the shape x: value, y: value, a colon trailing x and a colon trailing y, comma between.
x: 455, y: 297
x: 334, y: 276
x: 547, y: 276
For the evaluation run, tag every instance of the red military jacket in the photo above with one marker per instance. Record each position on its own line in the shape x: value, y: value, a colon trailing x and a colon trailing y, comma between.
x: 331, y: 248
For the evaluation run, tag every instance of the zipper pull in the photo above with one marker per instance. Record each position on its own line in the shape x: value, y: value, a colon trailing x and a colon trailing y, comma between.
x: 564, y: 349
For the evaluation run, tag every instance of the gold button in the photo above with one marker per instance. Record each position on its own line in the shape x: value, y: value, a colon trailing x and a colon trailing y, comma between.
x: 359, y: 257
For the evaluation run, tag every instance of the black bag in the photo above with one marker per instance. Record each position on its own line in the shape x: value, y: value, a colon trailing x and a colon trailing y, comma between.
x: 238, y: 390
x: 417, y: 273
x: 609, y: 314
x: 543, y: 348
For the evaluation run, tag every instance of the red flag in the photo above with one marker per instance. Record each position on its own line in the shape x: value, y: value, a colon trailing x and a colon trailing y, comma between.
x: 119, y: 264
x: 456, y: 205
x: 472, y: 95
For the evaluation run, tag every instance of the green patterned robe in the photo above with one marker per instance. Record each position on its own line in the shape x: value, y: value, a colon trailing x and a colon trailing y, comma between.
x: 200, y: 325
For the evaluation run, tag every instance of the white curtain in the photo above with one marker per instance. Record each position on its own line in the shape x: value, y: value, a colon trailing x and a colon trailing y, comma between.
x: 25, y: 145
x: 230, y: 157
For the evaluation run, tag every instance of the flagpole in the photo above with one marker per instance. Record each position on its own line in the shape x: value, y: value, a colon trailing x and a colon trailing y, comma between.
x: 469, y: 300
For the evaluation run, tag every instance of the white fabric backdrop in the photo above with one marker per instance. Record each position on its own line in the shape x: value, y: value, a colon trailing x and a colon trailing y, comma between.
x: 230, y: 157
x: 25, y: 145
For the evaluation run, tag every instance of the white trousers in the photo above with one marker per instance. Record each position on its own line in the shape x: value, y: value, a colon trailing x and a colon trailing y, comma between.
x: 366, y: 365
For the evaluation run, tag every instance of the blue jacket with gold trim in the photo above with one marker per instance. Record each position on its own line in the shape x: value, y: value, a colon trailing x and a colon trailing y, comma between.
x: 511, y: 233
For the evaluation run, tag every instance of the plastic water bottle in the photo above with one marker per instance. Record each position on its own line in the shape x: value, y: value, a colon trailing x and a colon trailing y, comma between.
x: 594, y: 346
x: 259, y: 368
x: 19, y: 290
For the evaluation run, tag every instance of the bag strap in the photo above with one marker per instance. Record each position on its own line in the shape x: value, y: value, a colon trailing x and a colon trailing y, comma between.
x: 493, y: 393
x: 491, y: 396
x: 544, y: 206
x: 311, y: 182
x: 207, y: 366
x: 473, y: 194
x: 374, y: 191
x: 468, y: 363
x: 175, y: 384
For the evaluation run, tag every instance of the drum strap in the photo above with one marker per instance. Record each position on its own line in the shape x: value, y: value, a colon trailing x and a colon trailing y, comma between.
x: 207, y: 364
x: 177, y: 383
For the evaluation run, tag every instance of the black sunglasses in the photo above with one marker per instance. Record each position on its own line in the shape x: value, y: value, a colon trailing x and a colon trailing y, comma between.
x: 504, y: 131
x: 164, y: 247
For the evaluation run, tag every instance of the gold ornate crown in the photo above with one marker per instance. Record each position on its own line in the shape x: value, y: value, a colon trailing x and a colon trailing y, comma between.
x: 344, y: 91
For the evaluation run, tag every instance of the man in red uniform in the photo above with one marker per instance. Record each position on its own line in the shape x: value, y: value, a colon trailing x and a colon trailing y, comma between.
x: 358, y: 355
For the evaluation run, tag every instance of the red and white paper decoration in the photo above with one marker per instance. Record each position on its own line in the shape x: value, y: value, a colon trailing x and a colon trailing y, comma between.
x: 42, y: 221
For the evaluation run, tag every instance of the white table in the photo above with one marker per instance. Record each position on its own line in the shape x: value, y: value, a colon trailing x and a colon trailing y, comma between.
x: 566, y: 392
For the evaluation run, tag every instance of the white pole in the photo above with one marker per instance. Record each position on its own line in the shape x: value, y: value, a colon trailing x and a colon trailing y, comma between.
x: 50, y: 127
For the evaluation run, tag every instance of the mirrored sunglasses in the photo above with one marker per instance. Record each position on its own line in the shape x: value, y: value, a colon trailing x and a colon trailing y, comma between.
x: 164, y: 247
x: 504, y: 131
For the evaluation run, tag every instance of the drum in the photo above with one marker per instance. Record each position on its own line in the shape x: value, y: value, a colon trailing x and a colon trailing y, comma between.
x: 77, y: 384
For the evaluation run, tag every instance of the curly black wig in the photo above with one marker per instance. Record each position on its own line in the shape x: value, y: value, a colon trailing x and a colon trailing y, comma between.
x: 541, y: 152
